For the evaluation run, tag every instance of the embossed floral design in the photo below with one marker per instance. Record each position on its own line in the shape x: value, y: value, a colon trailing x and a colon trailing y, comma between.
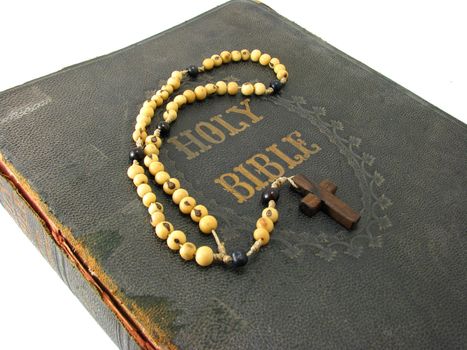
x: 384, y: 222
x: 354, y: 250
x: 299, y: 100
x: 378, y: 178
x: 327, y: 254
x: 384, y: 202
x: 368, y: 159
x: 355, y: 141
x: 375, y: 241
x: 325, y: 245
x: 335, y: 124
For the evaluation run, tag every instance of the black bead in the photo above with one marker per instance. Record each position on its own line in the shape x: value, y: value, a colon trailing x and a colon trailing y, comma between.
x: 276, y: 85
x: 164, y: 127
x: 137, y: 154
x: 269, y: 194
x: 239, y: 258
x: 192, y: 71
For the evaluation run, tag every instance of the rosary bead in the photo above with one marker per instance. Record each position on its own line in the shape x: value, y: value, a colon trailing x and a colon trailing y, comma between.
x: 200, y: 92
x: 139, y: 134
x: 177, y: 74
x: 140, y: 179
x: 187, y: 204
x: 157, y: 217
x: 239, y: 258
x: 143, y: 189
x: 178, y: 195
x: 142, y: 120
x: 192, y: 71
x: 134, y: 170
x: 268, y: 194
x: 150, y: 103
x: 262, y: 235
x: 232, y: 87
x: 187, y: 251
x: 265, y: 223
x: 245, y: 54
x: 208, y: 63
x: 163, y: 229
x: 171, y: 185
x: 147, y: 111
x: 155, y: 167
x: 169, y: 116
x: 207, y: 224
x: 180, y: 100
x: 157, y: 99
x: 155, y: 140
x: 175, y: 82
x: 189, y: 95
x: 164, y: 94
x: 175, y: 239
x: 169, y: 88
x: 161, y: 177
x: 149, y: 198
x: 255, y: 55
x: 279, y: 67
x: 164, y: 127
x: 276, y: 85
x: 154, y: 207
x: 264, y: 59
x: 141, y: 126
x: 273, y: 62
x: 226, y: 56
x: 282, y: 74
x: 210, y: 88
x: 148, y: 139
x: 150, y: 158
x: 198, y: 212
x: 217, y: 60
x: 151, y: 148
x: 204, y: 256
x: 172, y: 105
x: 247, y: 89
x: 221, y: 87
x: 137, y: 154
x: 260, y: 89
x: 270, y: 213
x: 236, y: 56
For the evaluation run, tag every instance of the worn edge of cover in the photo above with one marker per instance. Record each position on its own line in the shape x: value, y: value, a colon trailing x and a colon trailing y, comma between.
x: 80, y: 257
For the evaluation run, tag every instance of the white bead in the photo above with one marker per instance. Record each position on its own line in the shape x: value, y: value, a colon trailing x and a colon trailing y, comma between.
x: 175, y: 82
x: 221, y: 87
x: 180, y: 100
x: 264, y: 59
x: 177, y: 74
x: 247, y: 89
x: 260, y: 89
x: 255, y: 55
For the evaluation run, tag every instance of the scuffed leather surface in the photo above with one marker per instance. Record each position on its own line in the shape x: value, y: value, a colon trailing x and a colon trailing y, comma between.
x: 36, y: 231
x: 398, y: 281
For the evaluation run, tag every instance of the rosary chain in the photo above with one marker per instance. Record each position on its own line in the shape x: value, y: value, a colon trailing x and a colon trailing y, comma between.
x: 147, y: 153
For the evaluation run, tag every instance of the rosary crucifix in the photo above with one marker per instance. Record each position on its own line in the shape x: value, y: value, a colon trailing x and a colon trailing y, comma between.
x: 323, y: 197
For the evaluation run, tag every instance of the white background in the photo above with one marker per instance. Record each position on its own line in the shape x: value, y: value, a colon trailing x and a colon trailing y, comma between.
x: 418, y: 44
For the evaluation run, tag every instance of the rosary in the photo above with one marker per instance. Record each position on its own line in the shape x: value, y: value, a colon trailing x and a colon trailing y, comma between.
x: 315, y: 197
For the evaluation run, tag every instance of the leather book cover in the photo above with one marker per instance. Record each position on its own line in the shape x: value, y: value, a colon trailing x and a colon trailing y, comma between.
x: 398, y: 280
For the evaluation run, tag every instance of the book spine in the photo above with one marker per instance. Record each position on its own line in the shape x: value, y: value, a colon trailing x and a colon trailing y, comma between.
x: 37, y: 231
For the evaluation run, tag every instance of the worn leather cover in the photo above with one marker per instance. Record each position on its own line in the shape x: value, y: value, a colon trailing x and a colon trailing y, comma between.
x: 397, y: 281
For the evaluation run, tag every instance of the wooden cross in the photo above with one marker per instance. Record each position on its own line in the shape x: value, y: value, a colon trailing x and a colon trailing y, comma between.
x: 323, y: 197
